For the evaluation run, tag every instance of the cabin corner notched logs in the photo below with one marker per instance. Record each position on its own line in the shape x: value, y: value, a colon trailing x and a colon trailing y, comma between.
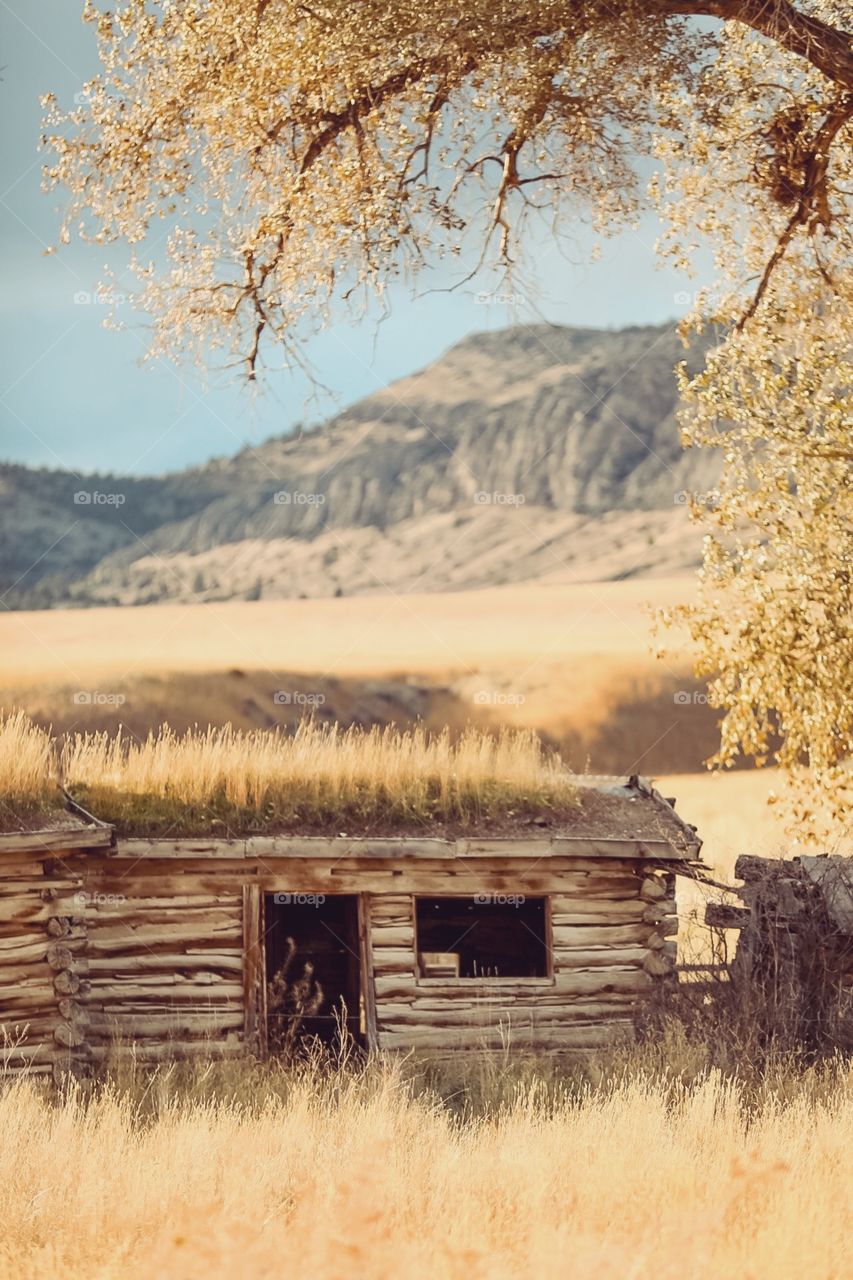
x: 156, y: 948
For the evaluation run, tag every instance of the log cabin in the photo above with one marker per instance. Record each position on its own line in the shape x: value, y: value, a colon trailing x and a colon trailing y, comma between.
x: 546, y: 937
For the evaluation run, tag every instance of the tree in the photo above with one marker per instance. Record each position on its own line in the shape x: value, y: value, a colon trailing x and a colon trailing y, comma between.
x: 304, y: 154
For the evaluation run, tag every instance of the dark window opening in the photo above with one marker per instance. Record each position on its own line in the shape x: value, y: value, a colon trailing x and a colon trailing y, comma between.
x: 313, y: 968
x: 493, y: 935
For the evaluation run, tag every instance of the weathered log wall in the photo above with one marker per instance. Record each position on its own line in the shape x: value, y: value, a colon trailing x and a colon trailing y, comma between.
x: 164, y: 971
x: 159, y: 953
x: 41, y: 937
x: 612, y: 934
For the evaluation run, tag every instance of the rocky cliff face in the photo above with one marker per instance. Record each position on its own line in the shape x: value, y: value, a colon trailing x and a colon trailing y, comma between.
x: 531, y: 451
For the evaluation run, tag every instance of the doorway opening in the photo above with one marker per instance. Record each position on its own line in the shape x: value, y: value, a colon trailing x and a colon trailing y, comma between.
x: 313, y: 968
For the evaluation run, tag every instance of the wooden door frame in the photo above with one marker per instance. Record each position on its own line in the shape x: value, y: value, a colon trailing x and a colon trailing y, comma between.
x: 255, y: 1026
x: 368, y: 989
x: 254, y: 971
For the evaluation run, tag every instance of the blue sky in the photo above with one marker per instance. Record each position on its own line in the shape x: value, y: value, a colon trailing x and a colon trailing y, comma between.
x: 75, y: 395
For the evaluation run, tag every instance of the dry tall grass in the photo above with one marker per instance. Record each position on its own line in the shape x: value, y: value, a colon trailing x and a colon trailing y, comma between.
x: 356, y: 1175
x: 317, y: 776
x: 27, y: 772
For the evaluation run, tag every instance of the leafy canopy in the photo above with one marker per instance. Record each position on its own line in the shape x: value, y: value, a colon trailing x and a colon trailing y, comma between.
x: 291, y: 156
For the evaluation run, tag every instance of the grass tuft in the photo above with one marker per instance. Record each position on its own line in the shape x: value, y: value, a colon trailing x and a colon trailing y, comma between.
x: 27, y: 766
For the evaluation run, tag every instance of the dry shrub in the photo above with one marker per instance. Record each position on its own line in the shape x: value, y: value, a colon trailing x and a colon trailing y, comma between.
x: 291, y: 998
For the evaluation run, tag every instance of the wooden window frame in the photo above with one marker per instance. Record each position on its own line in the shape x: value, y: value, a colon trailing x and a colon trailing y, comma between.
x: 548, y: 979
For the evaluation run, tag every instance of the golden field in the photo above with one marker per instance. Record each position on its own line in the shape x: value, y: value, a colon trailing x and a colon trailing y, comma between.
x: 575, y: 662
x: 504, y: 628
x: 675, y: 1159
x: 358, y: 1175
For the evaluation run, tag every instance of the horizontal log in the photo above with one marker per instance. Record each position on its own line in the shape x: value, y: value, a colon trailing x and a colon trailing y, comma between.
x: 598, y: 935
x: 393, y: 936
x: 383, y: 905
x: 399, y: 847
x: 25, y: 954
x: 14, y: 1057
x: 565, y: 960
x: 628, y: 911
x: 129, y: 914
x: 401, y: 1014
x: 723, y: 915
x: 17, y: 1001
x: 144, y: 962
x: 432, y: 881
x: 141, y: 1023
x: 181, y: 992
x: 70, y: 839
x: 29, y: 909
x: 577, y: 983
x: 46, y: 889
x: 165, y: 1051
x: 121, y: 940
x: 591, y: 1036
x: 751, y: 868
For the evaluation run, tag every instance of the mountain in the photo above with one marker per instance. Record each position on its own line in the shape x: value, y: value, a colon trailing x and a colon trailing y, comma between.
x: 535, y: 452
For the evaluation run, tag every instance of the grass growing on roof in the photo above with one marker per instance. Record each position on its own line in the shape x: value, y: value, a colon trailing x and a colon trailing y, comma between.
x: 27, y: 766
x: 320, y: 778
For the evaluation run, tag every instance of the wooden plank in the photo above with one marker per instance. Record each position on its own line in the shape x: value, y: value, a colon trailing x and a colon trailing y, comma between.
x: 86, y: 838
x: 569, y: 982
x: 516, y: 1016
x: 383, y: 905
x: 148, y: 962
x: 335, y: 847
x: 600, y: 935
x: 253, y: 965
x: 604, y: 848
x: 120, y: 938
x: 175, y: 990
x: 366, y: 930
x: 567, y: 959
x: 141, y: 1023
x: 388, y: 935
x: 590, y: 1036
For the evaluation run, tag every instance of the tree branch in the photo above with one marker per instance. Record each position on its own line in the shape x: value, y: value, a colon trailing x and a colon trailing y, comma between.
x: 825, y: 47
